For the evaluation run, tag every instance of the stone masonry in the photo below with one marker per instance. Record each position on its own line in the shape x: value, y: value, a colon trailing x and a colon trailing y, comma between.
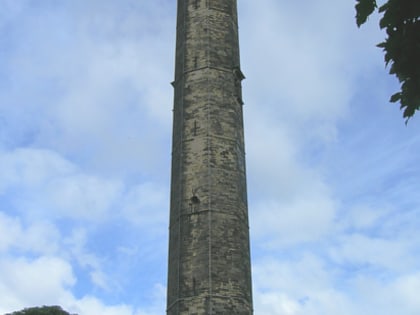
x: 209, y: 258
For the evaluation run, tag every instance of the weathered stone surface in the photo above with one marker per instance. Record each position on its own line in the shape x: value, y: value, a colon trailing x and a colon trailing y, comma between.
x: 209, y: 259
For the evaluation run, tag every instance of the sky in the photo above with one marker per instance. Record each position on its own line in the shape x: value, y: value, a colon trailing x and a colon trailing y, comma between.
x: 85, y: 142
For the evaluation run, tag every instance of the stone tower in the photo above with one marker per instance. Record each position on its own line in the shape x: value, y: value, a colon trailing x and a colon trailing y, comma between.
x: 209, y: 257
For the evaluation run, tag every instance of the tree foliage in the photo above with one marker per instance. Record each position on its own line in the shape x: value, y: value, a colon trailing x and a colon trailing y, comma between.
x: 44, y: 310
x: 401, y: 21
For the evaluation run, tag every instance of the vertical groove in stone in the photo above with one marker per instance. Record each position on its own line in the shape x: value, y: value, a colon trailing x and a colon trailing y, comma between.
x: 209, y: 260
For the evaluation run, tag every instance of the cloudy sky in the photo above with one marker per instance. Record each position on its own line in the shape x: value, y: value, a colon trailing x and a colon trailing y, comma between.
x: 85, y: 142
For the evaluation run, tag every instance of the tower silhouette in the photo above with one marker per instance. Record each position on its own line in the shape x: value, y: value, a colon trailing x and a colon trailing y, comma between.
x: 209, y: 258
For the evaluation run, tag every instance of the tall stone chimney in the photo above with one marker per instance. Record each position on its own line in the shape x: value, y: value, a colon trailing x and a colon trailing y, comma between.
x: 209, y: 257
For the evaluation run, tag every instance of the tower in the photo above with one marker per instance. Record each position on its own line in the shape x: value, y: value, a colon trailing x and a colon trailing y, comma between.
x: 209, y: 258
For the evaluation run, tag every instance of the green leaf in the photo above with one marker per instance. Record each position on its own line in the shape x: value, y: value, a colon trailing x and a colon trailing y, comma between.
x: 401, y: 47
x: 395, y: 98
x: 384, y: 7
x: 364, y: 8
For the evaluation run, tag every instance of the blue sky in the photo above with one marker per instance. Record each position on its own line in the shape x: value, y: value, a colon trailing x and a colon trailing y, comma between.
x: 85, y: 142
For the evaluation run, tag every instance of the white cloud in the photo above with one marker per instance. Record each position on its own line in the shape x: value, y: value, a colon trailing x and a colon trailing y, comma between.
x: 309, y: 285
x: 10, y: 229
x: 91, y: 305
x: 297, y: 287
x: 44, y: 280
x: 39, y: 237
x: 30, y: 167
x: 49, y: 185
x: 362, y: 217
x: 77, y: 251
x: 406, y: 288
x: 370, y: 252
x: 280, y: 224
x: 101, y: 94
x: 275, y: 304
x: 298, y: 68
x: 49, y: 280
x: 34, y: 275
x: 290, y: 202
x: 146, y: 205
x: 387, y: 296
x: 82, y: 197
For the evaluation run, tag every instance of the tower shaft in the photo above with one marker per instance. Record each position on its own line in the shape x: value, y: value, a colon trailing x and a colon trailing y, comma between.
x: 209, y: 257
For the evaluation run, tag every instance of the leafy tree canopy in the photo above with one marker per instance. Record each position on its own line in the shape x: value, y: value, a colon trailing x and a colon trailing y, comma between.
x: 44, y: 310
x: 401, y: 21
